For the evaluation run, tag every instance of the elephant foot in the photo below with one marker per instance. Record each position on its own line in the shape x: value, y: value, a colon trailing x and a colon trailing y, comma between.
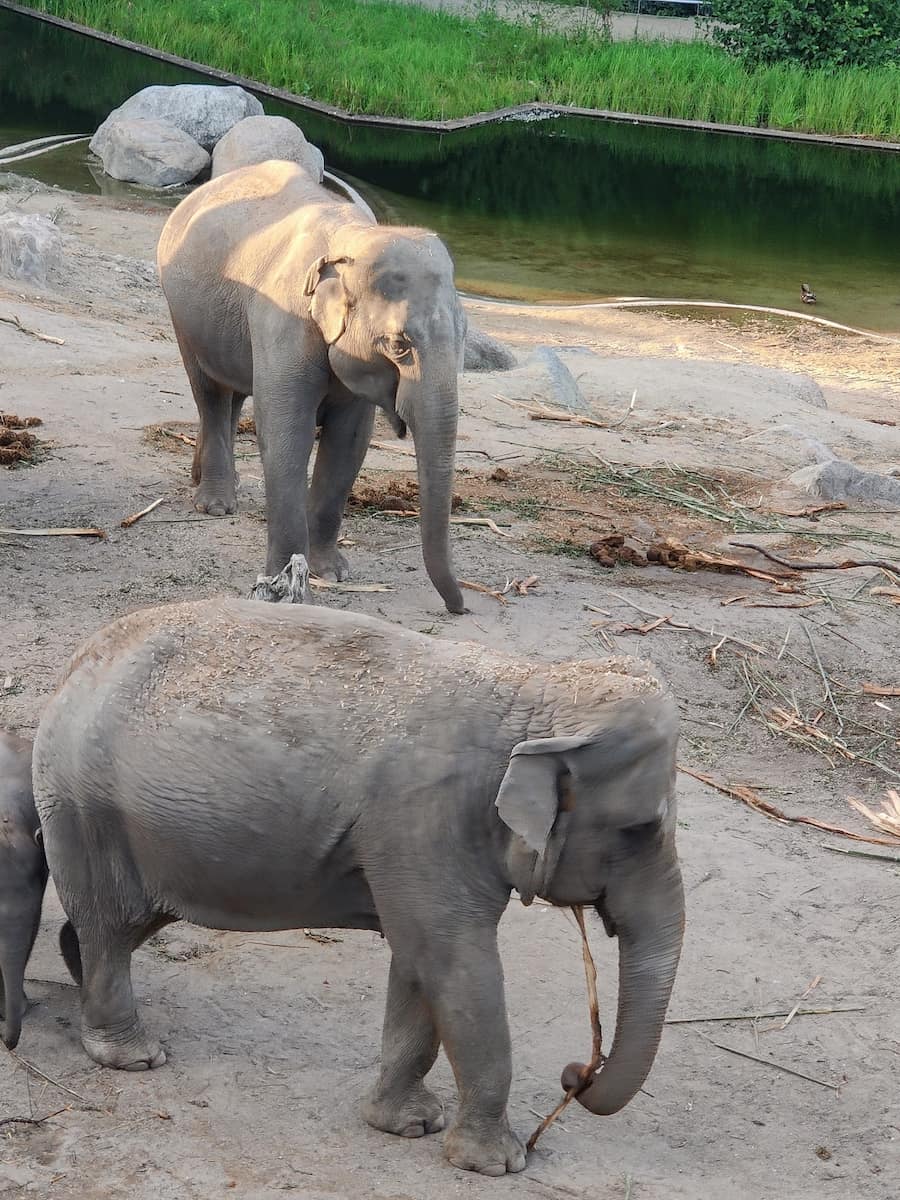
x: 216, y: 498
x: 134, y: 1052
x: 412, y: 1115
x: 487, y: 1152
x: 329, y: 564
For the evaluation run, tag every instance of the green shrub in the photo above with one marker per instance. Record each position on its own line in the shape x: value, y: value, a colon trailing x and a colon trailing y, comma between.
x: 812, y: 33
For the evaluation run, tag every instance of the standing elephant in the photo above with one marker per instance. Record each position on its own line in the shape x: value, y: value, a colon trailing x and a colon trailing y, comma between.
x: 400, y: 783
x: 278, y: 288
x: 23, y: 878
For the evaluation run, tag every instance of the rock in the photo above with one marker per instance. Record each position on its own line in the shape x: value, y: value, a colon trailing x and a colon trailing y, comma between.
x: 154, y: 153
x: 839, y: 479
x: 804, y: 390
x: 484, y: 353
x: 203, y: 111
x: 564, y: 391
x: 30, y: 246
x: 258, y: 139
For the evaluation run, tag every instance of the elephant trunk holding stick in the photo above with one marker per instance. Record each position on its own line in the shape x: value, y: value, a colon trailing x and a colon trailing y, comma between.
x: 279, y: 289
x: 400, y: 783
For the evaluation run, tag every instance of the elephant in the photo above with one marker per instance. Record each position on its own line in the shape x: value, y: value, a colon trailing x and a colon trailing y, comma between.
x: 23, y: 879
x: 279, y: 288
x: 251, y: 766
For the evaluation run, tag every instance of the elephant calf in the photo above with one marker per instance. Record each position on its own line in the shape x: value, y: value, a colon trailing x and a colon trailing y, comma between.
x: 256, y: 767
x: 23, y: 878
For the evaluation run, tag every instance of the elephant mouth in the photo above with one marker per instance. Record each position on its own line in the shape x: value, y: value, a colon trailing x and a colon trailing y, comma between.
x: 603, y: 913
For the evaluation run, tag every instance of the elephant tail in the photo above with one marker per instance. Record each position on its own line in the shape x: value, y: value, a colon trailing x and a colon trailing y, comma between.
x: 71, y: 951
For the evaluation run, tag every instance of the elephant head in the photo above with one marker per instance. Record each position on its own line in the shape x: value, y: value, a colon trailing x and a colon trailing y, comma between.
x: 592, y: 817
x: 386, y: 306
x: 23, y: 878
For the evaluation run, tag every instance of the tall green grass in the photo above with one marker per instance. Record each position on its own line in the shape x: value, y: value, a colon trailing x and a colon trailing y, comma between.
x: 378, y: 57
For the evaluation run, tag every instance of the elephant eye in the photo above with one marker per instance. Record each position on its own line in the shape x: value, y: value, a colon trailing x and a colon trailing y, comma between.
x: 397, y: 346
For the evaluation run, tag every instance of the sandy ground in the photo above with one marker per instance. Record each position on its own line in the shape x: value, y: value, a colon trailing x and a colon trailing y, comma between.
x: 272, y: 1039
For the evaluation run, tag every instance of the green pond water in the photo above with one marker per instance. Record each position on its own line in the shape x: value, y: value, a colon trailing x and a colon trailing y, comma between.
x: 567, y: 209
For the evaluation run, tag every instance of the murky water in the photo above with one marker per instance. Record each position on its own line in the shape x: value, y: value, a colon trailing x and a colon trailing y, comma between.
x: 565, y: 209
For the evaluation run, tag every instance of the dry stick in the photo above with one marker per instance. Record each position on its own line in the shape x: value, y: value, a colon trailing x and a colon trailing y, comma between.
x: 486, y: 521
x: 888, y: 858
x: 540, y: 413
x: 749, y: 797
x: 392, y: 446
x: 597, y: 1056
x: 127, y: 522
x: 768, y: 1062
x: 480, y: 587
x: 812, y: 510
x: 807, y: 565
x: 29, y: 1066
x: 764, y: 1016
x: 811, y: 988
x: 828, y: 693
x: 874, y: 689
x: 181, y: 437
x: 93, y: 532
x: 31, y: 1120
x: 42, y: 337
x: 671, y: 624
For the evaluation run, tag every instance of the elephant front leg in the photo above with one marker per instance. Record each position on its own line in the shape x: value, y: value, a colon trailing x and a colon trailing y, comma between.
x: 346, y: 431
x: 286, y: 430
x: 400, y: 1102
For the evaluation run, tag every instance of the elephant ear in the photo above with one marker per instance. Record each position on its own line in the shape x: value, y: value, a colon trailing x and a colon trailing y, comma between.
x: 330, y: 304
x: 533, y: 798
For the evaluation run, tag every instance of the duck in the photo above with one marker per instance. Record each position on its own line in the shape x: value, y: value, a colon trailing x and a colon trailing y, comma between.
x: 807, y: 295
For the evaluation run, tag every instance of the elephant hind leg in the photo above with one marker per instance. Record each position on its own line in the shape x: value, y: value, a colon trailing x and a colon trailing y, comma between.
x: 111, y: 1031
x: 212, y: 470
x: 400, y: 1102
x: 71, y: 950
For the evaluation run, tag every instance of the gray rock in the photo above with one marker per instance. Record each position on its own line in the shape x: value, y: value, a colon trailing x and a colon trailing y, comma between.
x: 564, y: 390
x: 258, y: 139
x: 484, y: 353
x: 204, y: 111
x: 154, y: 153
x: 839, y: 479
x: 30, y: 246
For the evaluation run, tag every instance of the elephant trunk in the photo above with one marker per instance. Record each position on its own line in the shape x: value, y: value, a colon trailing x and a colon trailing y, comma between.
x: 14, y: 952
x: 650, y: 938
x: 430, y: 406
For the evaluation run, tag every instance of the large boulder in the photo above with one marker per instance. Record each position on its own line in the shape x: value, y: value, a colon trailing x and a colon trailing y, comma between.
x: 30, y: 246
x: 258, y: 139
x: 204, y: 111
x: 154, y: 153
x: 839, y: 479
x: 484, y: 353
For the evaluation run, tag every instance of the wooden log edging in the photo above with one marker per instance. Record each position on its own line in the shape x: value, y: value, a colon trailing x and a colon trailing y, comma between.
x: 519, y: 112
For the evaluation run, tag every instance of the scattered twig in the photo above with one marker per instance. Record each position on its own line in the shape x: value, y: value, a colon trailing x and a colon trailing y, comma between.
x: 471, y: 586
x: 181, y: 437
x: 808, y: 565
x: 597, y: 1056
x: 747, y: 796
x: 762, y: 1016
x: 42, y: 337
x: 874, y: 689
x: 394, y: 447
x: 810, y: 989
x: 628, y: 411
x: 888, y: 858
x: 681, y: 625
x: 331, y: 585
x: 31, y: 1120
x: 127, y: 522
x: 890, y: 593
x: 829, y: 695
x: 768, y: 1062
x: 522, y: 587
x: 887, y: 821
x: 539, y: 412
x: 813, y: 510
x: 486, y: 521
x: 62, y: 532
x: 792, y: 724
x: 29, y: 1066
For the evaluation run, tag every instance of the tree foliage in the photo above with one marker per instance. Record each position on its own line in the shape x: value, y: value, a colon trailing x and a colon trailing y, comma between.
x: 812, y: 33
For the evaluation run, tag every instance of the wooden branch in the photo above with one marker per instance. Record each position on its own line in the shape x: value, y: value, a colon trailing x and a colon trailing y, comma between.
x: 41, y: 337
x: 127, y: 522
x: 807, y: 565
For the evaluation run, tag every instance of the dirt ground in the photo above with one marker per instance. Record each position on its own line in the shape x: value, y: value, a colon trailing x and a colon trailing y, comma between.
x: 271, y: 1039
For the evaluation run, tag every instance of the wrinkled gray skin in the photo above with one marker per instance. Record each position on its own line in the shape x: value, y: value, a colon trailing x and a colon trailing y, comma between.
x: 259, y: 767
x: 23, y: 878
x: 280, y: 289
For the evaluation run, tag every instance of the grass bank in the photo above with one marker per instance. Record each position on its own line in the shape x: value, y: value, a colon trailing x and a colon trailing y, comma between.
x: 377, y: 57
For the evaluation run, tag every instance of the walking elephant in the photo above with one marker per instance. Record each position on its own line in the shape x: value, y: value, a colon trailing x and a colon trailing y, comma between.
x: 278, y: 288
x: 398, y: 783
x: 23, y: 878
